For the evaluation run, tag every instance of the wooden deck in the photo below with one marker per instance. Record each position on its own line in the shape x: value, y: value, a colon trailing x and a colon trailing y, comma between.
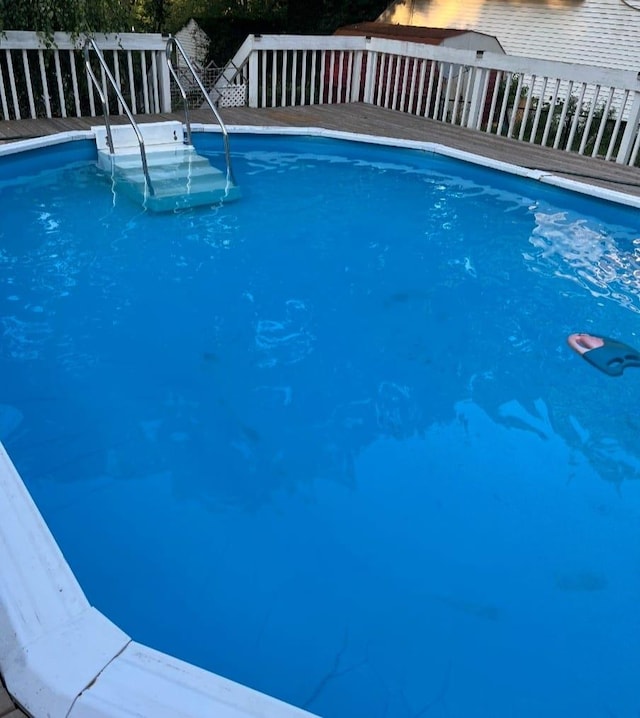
x: 368, y: 119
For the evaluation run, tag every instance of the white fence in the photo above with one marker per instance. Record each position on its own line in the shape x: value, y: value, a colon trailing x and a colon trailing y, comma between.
x: 589, y: 110
x: 48, y: 79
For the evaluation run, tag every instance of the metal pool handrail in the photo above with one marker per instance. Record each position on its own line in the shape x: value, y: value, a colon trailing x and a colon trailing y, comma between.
x: 172, y: 43
x: 90, y: 44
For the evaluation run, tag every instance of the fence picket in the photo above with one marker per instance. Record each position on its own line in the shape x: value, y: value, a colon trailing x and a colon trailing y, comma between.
x: 563, y: 116
x: 516, y: 105
x: 377, y: 70
x: 412, y: 86
x: 616, y: 127
x: 587, y: 126
x: 12, y: 82
x: 74, y: 82
x: 457, y: 95
x: 132, y: 87
x: 143, y: 80
x: 155, y: 90
x: 294, y: 78
x: 3, y: 97
x: 27, y: 76
x: 432, y: 74
x: 634, y: 152
x: 486, y: 78
x: 340, y: 76
x: 550, y: 113
x: 263, y: 70
x: 538, y: 112
x: 45, y: 85
x: 313, y: 78
x: 603, y: 122
x: 322, y: 97
x: 283, y: 79
x: 105, y: 89
x: 437, y: 113
x: 61, y: 97
x: 116, y: 74
x: 466, y: 102
x: 349, y: 85
x: 504, y: 103
x: 303, y: 74
x: 527, y: 109
x: 446, y: 83
x: 385, y: 61
x: 423, y: 73
x: 576, y: 116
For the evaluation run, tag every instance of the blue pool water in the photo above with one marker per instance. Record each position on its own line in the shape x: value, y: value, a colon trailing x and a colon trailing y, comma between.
x: 328, y: 440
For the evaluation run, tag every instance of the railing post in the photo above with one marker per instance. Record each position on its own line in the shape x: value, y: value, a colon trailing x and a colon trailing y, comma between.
x: 370, y: 74
x: 164, y: 82
x: 476, y: 97
x: 630, y: 132
x: 254, y: 79
x: 356, y: 76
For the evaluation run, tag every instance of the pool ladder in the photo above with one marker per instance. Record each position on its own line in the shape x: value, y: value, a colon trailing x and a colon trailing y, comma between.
x: 174, y: 44
x: 90, y: 44
x: 181, y: 176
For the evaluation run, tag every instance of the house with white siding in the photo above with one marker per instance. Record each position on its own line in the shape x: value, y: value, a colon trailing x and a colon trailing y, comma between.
x: 195, y: 42
x: 604, y: 33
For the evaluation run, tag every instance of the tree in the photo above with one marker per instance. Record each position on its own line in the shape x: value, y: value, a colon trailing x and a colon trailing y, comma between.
x: 151, y: 15
x: 327, y: 15
x: 75, y: 16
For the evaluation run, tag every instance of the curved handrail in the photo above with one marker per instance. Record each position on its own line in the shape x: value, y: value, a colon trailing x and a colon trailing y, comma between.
x: 89, y: 44
x: 173, y: 42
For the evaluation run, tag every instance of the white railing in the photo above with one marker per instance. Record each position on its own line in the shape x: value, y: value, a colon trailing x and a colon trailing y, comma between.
x: 40, y: 78
x: 589, y: 110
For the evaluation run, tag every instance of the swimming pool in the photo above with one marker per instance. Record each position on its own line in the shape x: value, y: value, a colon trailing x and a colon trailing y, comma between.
x: 328, y: 440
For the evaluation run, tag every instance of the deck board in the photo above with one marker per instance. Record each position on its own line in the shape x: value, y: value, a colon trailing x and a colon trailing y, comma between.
x: 369, y: 119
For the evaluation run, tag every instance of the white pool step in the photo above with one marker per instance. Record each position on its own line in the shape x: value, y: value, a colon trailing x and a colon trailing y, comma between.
x: 180, y: 177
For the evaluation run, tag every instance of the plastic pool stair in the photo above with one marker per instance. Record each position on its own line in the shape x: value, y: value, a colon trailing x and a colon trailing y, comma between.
x: 176, y: 177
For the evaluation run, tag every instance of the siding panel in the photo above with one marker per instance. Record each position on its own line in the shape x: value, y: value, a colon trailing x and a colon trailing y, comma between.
x: 593, y: 32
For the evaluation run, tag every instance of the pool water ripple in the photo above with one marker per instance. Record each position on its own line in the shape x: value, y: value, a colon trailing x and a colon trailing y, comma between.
x: 328, y: 440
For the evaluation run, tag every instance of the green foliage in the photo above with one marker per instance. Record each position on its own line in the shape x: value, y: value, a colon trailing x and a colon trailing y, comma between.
x: 150, y: 15
x: 553, y: 114
x: 75, y: 16
x: 325, y: 16
x: 227, y: 33
x: 79, y: 16
x: 228, y: 22
x: 181, y: 11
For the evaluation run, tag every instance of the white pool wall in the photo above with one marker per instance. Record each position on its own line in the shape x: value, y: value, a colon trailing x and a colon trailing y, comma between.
x: 539, y: 175
x: 59, y: 656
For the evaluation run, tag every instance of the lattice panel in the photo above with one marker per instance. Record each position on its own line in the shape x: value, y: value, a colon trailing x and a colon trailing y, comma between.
x: 233, y: 96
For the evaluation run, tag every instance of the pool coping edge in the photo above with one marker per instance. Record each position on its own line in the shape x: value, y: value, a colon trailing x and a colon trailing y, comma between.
x: 543, y: 176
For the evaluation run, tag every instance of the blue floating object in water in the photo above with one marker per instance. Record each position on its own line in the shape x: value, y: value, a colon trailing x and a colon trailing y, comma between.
x: 613, y: 357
